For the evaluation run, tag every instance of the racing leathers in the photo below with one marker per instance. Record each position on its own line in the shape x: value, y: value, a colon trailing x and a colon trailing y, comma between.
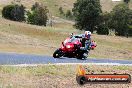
x: 86, y: 42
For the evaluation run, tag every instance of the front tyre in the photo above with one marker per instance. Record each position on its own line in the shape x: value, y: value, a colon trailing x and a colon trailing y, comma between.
x: 57, y: 53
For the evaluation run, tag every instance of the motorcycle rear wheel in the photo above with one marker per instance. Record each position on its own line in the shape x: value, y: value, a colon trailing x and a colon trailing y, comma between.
x: 81, y: 56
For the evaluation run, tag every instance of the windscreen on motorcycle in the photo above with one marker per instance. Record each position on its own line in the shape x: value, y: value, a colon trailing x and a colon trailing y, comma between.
x: 71, y: 40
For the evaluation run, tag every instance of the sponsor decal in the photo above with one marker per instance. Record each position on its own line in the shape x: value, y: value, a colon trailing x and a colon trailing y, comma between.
x: 83, y: 78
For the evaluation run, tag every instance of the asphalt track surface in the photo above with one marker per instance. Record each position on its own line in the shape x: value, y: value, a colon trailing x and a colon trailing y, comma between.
x: 16, y: 59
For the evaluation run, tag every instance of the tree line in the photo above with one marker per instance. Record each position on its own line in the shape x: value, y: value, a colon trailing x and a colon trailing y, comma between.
x: 89, y: 16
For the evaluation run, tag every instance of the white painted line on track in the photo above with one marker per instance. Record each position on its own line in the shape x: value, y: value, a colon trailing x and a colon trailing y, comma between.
x: 34, y: 65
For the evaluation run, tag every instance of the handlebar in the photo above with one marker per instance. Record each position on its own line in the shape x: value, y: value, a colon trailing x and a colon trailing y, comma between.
x: 78, y: 37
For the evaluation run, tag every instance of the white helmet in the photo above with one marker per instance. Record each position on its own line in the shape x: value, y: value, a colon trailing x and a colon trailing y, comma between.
x: 87, y: 33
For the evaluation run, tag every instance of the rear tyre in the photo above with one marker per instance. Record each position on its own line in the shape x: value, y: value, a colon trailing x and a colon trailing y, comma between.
x: 82, y: 56
x: 57, y: 53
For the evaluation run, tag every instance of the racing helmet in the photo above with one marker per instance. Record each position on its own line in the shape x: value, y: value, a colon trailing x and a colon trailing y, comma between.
x: 87, y: 34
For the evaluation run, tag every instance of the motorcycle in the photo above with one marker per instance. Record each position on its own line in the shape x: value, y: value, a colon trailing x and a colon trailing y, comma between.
x: 71, y: 48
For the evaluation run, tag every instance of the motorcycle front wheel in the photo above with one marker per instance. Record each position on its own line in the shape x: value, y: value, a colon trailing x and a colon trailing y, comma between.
x: 57, y: 53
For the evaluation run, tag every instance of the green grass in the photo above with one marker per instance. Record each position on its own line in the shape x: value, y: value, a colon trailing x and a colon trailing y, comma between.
x: 1, y: 10
x: 117, y: 45
x: 51, y: 4
x: 54, y: 5
x: 66, y: 70
x: 123, y: 68
x: 56, y: 70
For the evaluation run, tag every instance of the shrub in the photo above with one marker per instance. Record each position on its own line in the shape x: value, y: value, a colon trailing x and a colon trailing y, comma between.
x: 61, y: 10
x: 38, y: 15
x: 14, y: 12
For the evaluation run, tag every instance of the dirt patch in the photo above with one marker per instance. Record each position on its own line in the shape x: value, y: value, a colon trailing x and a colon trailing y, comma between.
x: 26, y: 3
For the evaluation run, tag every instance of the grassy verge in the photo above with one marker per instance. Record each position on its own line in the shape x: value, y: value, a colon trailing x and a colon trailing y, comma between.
x: 60, y: 70
x: 113, y: 47
x: 54, y: 76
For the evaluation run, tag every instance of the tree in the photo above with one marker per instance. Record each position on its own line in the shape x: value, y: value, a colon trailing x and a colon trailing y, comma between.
x: 103, y: 27
x: 38, y: 15
x: 130, y: 17
x: 31, y: 17
x: 120, y: 19
x: 130, y: 31
x: 86, y: 14
x: 127, y: 1
x: 130, y: 23
x: 14, y: 12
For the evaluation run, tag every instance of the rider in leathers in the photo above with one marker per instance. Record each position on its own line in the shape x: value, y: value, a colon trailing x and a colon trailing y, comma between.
x: 86, y: 41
